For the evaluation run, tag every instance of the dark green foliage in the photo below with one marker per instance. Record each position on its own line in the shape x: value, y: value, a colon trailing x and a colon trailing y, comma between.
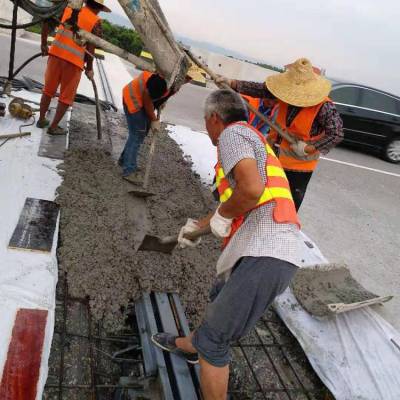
x: 122, y: 37
x: 37, y: 28
x: 277, y: 69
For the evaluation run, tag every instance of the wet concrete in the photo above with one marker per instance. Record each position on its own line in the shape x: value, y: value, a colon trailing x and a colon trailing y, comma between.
x: 315, y: 289
x: 102, y: 225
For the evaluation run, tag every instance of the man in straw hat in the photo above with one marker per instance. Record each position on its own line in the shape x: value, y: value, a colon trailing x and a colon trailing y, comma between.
x: 67, y: 60
x: 305, y: 112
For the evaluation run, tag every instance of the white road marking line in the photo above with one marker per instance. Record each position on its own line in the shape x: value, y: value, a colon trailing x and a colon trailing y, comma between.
x: 362, y: 167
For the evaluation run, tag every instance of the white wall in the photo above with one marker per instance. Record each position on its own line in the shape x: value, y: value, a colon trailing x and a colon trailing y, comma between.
x: 233, y: 68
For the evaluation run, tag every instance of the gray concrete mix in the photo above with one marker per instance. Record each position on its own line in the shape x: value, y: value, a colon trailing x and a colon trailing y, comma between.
x: 102, y: 225
x: 316, y: 288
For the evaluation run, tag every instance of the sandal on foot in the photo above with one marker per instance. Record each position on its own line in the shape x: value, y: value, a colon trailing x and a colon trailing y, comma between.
x: 56, y: 131
x: 44, y: 123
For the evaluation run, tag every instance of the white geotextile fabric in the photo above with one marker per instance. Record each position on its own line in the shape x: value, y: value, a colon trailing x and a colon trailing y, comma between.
x: 27, y: 279
x: 353, y: 353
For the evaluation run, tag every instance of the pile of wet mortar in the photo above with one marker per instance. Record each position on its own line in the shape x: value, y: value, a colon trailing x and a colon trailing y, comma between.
x: 102, y: 224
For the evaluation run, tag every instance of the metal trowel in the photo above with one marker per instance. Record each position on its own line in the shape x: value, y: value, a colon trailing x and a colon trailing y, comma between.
x: 168, y: 243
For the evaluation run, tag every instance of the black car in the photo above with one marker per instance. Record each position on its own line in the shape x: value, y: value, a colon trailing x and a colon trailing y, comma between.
x: 371, y: 118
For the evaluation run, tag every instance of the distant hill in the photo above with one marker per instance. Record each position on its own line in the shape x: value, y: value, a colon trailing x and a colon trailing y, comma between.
x: 117, y: 19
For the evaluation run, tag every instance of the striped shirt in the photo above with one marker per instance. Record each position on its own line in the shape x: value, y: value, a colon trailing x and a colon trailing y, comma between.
x: 260, y: 235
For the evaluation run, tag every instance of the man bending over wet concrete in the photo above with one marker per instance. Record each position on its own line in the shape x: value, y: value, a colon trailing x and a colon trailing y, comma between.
x: 141, y: 97
x: 258, y: 223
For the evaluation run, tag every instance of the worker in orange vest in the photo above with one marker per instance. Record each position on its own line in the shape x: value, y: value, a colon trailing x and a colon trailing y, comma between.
x: 141, y: 97
x: 67, y: 60
x: 305, y: 112
x: 267, y: 107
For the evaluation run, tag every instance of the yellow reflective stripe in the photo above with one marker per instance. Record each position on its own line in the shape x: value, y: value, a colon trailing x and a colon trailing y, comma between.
x: 78, y: 53
x: 65, y: 33
x: 275, y: 171
x: 219, y: 176
x: 269, y: 150
x: 226, y: 195
x: 141, y: 83
x: 274, y: 193
x: 133, y: 97
x: 220, y: 173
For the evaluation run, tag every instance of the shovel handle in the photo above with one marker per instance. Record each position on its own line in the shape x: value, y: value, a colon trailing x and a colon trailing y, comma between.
x: 196, y: 234
x: 263, y: 118
x: 190, y: 235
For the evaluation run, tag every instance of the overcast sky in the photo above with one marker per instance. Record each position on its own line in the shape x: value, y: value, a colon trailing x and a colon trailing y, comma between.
x: 357, y: 40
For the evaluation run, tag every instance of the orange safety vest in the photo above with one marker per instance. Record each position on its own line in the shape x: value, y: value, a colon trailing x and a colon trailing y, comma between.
x: 276, y: 190
x: 256, y: 102
x: 300, y: 128
x: 132, y: 93
x: 253, y: 102
x: 64, y: 45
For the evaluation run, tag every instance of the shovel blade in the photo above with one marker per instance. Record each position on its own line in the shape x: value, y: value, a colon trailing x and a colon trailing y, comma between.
x: 154, y: 243
x: 141, y: 193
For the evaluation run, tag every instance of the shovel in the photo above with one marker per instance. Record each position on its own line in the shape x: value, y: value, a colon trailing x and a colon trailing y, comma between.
x: 143, y: 192
x: 168, y: 243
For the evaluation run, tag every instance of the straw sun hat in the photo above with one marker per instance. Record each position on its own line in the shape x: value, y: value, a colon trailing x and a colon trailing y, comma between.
x: 299, y: 85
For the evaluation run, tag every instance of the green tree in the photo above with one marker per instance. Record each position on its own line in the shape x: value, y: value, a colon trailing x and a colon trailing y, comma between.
x: 125, y: 38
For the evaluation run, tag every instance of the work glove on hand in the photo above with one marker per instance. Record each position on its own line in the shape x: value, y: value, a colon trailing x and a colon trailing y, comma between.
x: 220, y: 226
x: 190, y: 226
x: 222, y: 80
x: 155, y: 126
x: 299, y: 148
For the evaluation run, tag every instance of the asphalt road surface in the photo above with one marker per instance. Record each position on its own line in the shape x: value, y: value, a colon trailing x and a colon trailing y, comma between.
x: 351, y: 208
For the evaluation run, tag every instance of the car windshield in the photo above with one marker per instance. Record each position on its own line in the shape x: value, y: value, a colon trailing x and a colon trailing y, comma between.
x: 346, y: 95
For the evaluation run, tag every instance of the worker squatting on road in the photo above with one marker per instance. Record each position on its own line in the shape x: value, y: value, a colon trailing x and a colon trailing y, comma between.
x: 66, y: 62
x: 305, y: 112
x: 258, y: 223
x: 141, y: 98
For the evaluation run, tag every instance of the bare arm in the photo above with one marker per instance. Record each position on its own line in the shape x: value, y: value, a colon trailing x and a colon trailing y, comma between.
x: 148, y: 106
x: 91, y: 48
x: 248, y: 190
x: 44, y: 36
x: 253, y: 89
x: 331, y: 124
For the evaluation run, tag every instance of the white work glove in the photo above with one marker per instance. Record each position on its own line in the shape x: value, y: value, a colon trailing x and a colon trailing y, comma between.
x: 155, y: 126
x: 221, y: 80
x: 299, y: 148
x: 190, y: 226
x: 220, y: 226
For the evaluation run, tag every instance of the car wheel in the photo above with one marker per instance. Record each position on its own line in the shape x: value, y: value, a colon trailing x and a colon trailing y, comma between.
x: 392, y: 151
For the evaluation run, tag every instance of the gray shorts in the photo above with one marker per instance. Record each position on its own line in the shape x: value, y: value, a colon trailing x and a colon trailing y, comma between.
x: 238, y: 304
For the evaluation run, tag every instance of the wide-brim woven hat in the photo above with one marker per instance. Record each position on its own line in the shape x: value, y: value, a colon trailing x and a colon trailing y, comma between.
x: 104, y: 7
x: 299, y: 85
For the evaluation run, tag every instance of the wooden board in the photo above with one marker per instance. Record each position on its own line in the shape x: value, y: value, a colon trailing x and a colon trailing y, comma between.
x: 22, y: 367
x: 36, y: 226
